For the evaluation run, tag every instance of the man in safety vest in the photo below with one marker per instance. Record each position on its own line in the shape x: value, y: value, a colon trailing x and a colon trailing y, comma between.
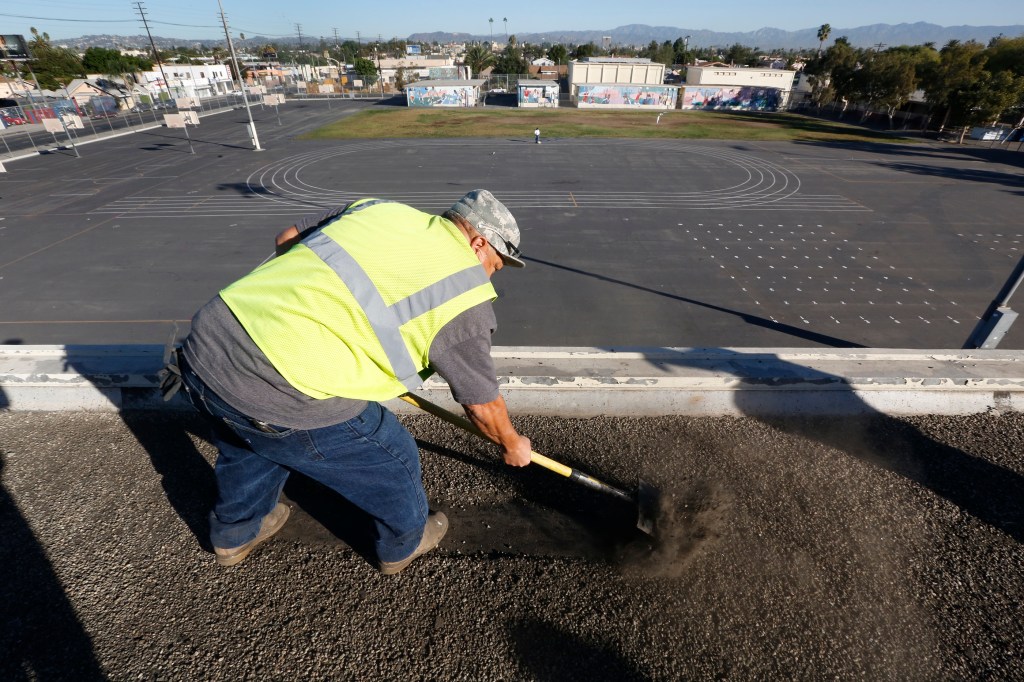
x: 290, y: 362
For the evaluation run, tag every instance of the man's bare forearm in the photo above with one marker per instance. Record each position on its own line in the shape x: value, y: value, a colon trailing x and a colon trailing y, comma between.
x: 493, y: 421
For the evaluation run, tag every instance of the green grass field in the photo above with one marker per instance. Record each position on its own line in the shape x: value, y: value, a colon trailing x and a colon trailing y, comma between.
x: 394, y: 122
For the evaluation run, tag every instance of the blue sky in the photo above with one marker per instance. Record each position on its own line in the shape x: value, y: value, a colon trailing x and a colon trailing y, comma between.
x: 398, y: 18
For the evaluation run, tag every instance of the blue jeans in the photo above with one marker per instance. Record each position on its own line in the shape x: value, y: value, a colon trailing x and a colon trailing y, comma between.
x: 371, y: 460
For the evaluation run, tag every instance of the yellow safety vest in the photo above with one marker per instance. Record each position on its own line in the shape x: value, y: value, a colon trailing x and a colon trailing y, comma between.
x: 351, y: 311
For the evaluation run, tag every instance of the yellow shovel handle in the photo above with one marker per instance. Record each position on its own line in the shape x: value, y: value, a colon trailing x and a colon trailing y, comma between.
x: 464, y: 423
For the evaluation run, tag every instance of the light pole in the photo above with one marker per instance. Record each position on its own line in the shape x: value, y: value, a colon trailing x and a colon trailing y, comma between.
x: 241, y: 81
x: 338, y: 67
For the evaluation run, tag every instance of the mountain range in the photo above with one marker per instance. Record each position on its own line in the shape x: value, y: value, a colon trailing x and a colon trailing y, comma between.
x: 766, y: 39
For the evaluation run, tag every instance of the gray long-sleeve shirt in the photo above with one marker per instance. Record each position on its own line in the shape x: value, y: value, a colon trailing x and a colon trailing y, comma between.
x: 233, y: 366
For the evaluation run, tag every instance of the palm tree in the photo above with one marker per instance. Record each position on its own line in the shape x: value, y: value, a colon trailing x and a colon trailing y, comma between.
x: 505, y: 19
x: 823, y: 34
x: 491, y: 20
x: 477, y: 58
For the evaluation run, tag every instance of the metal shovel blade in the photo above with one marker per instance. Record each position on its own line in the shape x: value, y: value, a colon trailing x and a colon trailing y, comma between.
x: 648, y: 499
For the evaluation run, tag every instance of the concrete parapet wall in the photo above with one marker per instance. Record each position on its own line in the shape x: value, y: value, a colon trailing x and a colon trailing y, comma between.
x: 585, y: 382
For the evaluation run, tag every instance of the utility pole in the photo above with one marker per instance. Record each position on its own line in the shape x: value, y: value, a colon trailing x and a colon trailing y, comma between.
x: 241, y: 82
x: 335, y: 39
x: 156, y: 54
x: 380, y: 72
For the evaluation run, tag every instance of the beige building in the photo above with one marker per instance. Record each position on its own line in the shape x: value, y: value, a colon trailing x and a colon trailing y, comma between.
x: 737, y: 87
x: 740, y: 76
x: 616, y: 70
x: 14, y: 87
x: 420, y: 68
x: 620, y: 83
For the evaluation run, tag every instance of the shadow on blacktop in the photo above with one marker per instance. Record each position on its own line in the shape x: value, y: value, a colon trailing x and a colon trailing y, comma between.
x: 185, y: 475
x: 190, y: 485
x: 989, y: 492
x: 754, y: 320
x: 41, y: 637
x: 550, y: 652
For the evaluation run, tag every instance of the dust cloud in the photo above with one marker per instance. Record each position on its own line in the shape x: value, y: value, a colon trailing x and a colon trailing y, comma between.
x: 688, y: 521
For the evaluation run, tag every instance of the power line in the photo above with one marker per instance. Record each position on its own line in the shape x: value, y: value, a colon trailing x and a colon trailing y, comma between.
x: 87, y: 21
x: 129, y: 21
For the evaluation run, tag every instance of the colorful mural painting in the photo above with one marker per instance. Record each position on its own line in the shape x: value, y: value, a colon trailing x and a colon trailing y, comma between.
x: 441, y: 73
x: 662, y: 96
x: 761, y: 99
x: 538, y: 96
x: 440, y: 96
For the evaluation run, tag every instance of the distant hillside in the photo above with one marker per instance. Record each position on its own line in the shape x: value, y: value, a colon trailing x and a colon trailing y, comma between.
x: 765, y: 38
x: 141, y: 42
x: 635, y: 34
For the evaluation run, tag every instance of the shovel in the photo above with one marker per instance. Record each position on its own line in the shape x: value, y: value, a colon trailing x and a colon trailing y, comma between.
x: 646, y: 498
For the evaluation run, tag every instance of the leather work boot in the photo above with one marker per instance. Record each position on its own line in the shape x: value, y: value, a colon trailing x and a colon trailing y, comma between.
x: 437, y: 526
x: 271, y: 523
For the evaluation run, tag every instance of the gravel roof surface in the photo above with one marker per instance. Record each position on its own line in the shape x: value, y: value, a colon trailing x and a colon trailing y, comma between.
x: 877, y: 548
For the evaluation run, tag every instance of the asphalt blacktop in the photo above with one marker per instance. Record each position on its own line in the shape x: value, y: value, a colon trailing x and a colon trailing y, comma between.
x: 638, y: 242
x: 872, y: 548
x: 837, y: 546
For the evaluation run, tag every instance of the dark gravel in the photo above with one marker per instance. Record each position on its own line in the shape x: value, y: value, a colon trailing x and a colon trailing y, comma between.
x: 871, y: 548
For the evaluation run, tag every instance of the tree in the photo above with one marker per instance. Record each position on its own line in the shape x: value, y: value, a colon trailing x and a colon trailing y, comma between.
x: 822, y: 92
x: 887, y: 80
x: 112, y: 62
x: 662, y: 53
x: 52, y: 66
x: 477, y: 58
x: 741, y: 54
x: 401, y: 76
x: 823, y: 33
x: 558, y: 54
x: 986, y: 99
x: 585, y: 50
x: 1005, y: 54
x: 959, y: 65
x: 679, y: 48
x: 835, y: 72
x: 511, y: 61
x: 366, y: 69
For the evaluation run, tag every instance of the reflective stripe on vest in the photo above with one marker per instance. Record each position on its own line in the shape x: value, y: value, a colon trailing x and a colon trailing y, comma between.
x: 385, y: 320
x: 352, y: 310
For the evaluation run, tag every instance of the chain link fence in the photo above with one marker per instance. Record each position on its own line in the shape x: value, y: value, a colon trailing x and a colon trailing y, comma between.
x: 23, y: 128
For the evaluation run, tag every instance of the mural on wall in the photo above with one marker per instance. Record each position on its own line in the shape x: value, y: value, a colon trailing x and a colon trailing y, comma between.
x: 736, y: 97
x: 442, y: 73
x: 440, y: 96
x: 538, y: 96
x: 627, y: 95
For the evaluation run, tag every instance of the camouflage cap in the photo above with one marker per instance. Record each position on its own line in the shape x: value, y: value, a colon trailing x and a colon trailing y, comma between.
x: 494, y: 222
